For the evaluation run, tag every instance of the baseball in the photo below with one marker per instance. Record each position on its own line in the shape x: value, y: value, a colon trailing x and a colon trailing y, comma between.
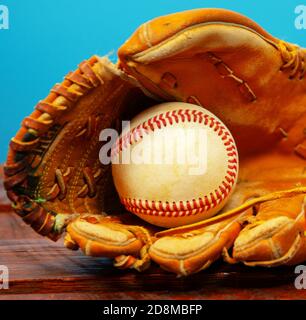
x: 175, y: 164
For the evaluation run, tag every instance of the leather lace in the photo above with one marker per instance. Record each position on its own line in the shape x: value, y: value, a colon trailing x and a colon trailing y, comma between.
x: 293, y: 58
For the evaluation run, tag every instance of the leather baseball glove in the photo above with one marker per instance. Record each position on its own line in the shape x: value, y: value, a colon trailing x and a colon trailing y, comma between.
x: 218, y: 59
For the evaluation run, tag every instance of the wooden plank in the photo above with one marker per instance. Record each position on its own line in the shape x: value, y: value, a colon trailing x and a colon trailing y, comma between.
x: 40, y: 266
x: 217, y: 293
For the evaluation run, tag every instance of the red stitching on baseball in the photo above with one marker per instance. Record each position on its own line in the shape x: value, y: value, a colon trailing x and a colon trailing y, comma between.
x: 188, y: 207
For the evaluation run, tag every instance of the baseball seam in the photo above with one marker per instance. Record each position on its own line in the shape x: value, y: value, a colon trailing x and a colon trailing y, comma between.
x: 187, y: 207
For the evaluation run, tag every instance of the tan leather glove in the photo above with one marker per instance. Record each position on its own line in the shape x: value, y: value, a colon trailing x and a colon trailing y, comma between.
x: 214, y: 58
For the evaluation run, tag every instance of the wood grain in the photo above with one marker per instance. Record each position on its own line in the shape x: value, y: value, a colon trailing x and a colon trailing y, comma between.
x: 41, y: 269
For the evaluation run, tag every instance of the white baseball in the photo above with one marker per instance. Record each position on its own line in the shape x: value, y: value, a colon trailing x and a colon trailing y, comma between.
x: 160, y: 180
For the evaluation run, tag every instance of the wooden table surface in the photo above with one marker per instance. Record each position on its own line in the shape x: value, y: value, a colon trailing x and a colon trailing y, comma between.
x: 40, y: 269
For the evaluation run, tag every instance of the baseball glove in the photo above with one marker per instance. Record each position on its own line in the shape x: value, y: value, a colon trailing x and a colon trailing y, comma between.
x: 217, y: 59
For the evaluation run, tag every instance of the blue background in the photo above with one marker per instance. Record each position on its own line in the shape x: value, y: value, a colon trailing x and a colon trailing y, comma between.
x: 48, y: 38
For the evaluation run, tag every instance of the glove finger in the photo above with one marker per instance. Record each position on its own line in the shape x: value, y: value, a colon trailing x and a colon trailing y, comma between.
x: 102, y: 237
x: 194, y: 251
x: 276, y: 236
